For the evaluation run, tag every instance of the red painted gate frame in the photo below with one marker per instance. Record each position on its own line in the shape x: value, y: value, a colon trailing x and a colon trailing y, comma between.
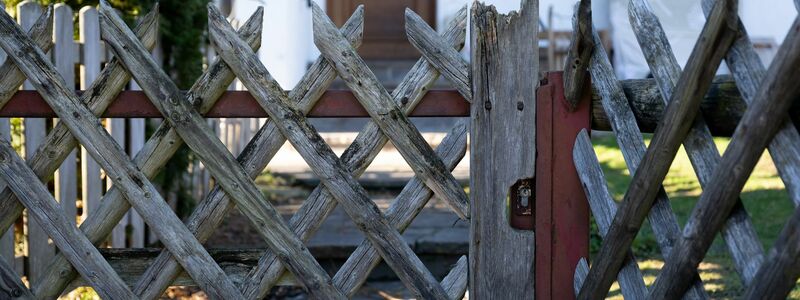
x: 561, y: 209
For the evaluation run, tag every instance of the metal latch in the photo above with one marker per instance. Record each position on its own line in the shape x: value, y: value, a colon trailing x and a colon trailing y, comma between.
x: 521, y: 203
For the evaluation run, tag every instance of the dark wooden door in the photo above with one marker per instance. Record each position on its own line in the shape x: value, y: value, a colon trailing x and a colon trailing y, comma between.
x: 384, y: 25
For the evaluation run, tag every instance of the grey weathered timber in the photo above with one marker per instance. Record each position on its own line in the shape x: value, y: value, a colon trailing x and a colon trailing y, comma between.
x: 739, y: 233
x: 777, y: 276
x: 716, y: 37
x: 400, y: 213
x: 581, y: 271
x: 387, y: 114
x: 192, y: 128
x: 40, y: 249
x: 59, y: 141
x: 603, y: 208
x: 722, y: 107
x: 749, y: 73
x: 64, y: 58
x: 44, y: 208
x: 325, y: 164
x: 10, y: 76
x: 89, y: 27
x: 87, y: 129
x: 719, y: 198
x: 438, y: 53
x: 11, y: 286
x: 581, y: 46
x: 502, y: 146
x: 357, y: 157
x: 662, y: 219
x: 455, y: 283
x: 267, y: 141
x: 130, y: 263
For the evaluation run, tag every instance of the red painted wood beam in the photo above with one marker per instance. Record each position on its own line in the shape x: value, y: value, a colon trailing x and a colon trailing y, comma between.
x: 240, y: 104
x: 561, y: 211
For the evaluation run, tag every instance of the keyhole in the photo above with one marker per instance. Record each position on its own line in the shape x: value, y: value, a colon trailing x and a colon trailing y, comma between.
x: 524, y: 196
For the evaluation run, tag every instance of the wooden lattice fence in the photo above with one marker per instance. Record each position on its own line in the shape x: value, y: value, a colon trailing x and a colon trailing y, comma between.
x: 765, y: 124
x: 79, y: 124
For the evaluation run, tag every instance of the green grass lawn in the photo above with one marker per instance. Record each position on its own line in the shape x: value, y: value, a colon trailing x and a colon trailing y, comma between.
x: 764, y: 198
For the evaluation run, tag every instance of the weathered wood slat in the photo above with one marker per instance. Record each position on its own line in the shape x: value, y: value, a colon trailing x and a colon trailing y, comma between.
x: 323, y: 161
x: 455, y: 283
x: 89, y: 29
x: 603, y: 208
x: 44, y: 208
x: 226, y: 170
x: 446, y: 59
x: 581, y: 271
x: 581, y: 46
x: 777, y: 276
x: 210, y: 212
x: 400, y: 213
x: 41, y: 32
x: 502, y: 147
x: 714, y: 40
x: 386, y: 113
x: 88, y: 130
x: 748, y: 142
x: 662, y: 219
x: 739, y: 233
x: 131, y: 263
x: 749, y: 73
x: 357, y: 157
x: 11, y: 286
x: 64, y: 54
x: 34, y: 130
x: 60, y: 141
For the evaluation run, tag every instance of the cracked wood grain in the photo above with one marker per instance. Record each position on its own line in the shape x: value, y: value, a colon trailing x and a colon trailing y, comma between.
x: 325, y: 164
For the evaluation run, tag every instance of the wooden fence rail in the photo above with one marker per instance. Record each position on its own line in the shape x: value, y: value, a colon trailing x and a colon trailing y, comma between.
x: 719, y: 209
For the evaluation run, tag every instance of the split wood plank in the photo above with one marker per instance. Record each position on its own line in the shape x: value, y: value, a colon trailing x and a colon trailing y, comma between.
x: 713, y: 43
x: 192, y: 128
x: 325, y: 164
x: 266, y: 142
x: 386, y: 114
x: 88, y: 130
x: 445, y: 58
x: 44, y: 208
x: 581, y: 46
x: 357, y: 157
x: 603, y: 208
x: 502, y: 146
x: 739, y: 234
x: 614, y: 101
x: 719, y: 198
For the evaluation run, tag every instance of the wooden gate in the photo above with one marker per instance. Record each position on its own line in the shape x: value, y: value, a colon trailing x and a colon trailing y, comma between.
x: 503, y: 84
x: 765, y: 123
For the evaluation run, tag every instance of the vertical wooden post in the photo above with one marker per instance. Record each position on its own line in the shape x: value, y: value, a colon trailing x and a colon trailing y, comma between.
x: 562, y: 212
x: 35, y: 129
x: 89, y: 28
x: 64, y: 53
x: 505, y: 64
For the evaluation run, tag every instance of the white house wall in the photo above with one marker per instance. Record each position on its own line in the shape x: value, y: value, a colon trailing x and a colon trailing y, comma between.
x: 288, y: 45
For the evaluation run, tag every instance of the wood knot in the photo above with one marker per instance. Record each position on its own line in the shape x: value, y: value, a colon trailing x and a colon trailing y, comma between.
x: 520, y: 105
x: 487, y: 105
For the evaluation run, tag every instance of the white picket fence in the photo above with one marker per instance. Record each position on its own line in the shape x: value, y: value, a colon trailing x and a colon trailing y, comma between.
x: 79, y: 182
